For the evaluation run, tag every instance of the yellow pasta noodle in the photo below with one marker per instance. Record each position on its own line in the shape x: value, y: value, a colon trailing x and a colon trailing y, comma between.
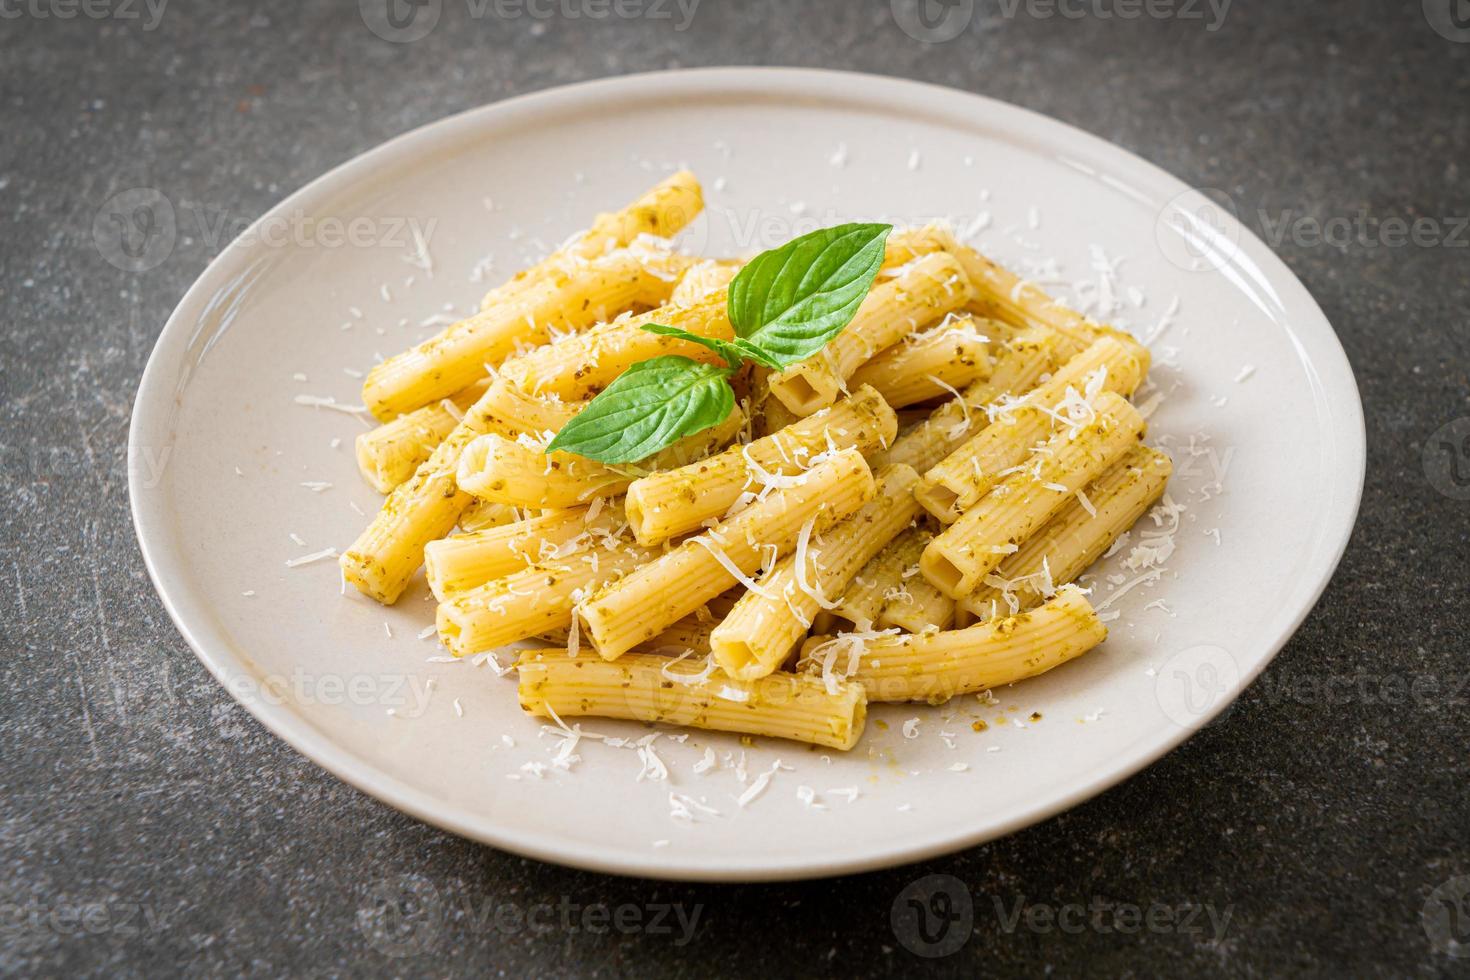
x: 579, y: 366
x: 1076, y: 537
x: 385, y: 556
x: 929, y: 364
x: 710, y: 276
x: 885, y: 573
x: 462, y: 562
x: 768, y: 623
x: 923, y: 292
x: 954, y: 484
x: 570, y: 296
x: 937, y: 666
x: 973, y: 546
x: 913, y: 604
x: 1016, y: 367
x: 660, y: 212
x: 509, y: 471
x: 532, y: 601
x: 651, y: 599
x: 388, y: 454
x: 650, y: 688
x: 481, y: 515
x: 691, y: 633
x: 671, y: 502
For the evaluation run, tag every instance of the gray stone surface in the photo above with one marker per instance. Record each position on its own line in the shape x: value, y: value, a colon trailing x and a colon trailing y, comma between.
x: 1320, y: 814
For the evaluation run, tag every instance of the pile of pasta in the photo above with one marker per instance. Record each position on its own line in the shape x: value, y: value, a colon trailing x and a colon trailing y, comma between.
x: 897, y: 518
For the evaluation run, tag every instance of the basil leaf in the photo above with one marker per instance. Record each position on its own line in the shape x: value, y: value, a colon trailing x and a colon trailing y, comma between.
x: 649, y: 407
x: 733, y: 353
x: 725, y: 349
x: 791, y: 300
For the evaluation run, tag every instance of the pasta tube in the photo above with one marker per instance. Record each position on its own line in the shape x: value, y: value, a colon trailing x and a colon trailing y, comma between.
x: 1075, y: 538
x: 533, y: 601
x: 924, y: 291
x: 671, y: 502
x: 579, y: 366
x: 883, y: 575
x: 649, y: 688
x: 969, y: 549
x: 481, y: 515
x: 913, y: 604
x: 937, y: 666
x: 1016, y: 368
x: 954, y: 484
x: 569, y: 297
x: 508, y: 471
x: 929, y: 364
x: 384, y: 557
x: 656, y: 596
x: 465, y: 561
x: 661, y: 212
x: 767, y: 623
x: 710, y: 276
x: 691, y: 633
x: 1003, y: 295
x: 388, y: 454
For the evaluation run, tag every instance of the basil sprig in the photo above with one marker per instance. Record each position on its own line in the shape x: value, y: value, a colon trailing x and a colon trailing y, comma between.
x: 784, y: 306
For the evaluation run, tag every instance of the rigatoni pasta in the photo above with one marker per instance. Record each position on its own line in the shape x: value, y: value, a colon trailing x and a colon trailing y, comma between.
x: 1075, y: 538
x: 770, y: 620
x: 921, y: 293
x: 929, y: 364
x: 967, y: 551
x: 649, y: 688
x: 937, y: 666
x: 675, y: 501
x: 773, y: 568
x: 676, y: 583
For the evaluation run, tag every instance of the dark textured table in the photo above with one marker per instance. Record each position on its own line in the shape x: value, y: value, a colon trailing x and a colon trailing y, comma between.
x: 149, y: 826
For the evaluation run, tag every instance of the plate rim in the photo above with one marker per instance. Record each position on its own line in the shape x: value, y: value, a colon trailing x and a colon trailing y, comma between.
x: 153, y: 412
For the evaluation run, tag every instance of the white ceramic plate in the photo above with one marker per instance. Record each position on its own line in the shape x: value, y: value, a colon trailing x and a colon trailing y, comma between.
x: 220, y: 452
